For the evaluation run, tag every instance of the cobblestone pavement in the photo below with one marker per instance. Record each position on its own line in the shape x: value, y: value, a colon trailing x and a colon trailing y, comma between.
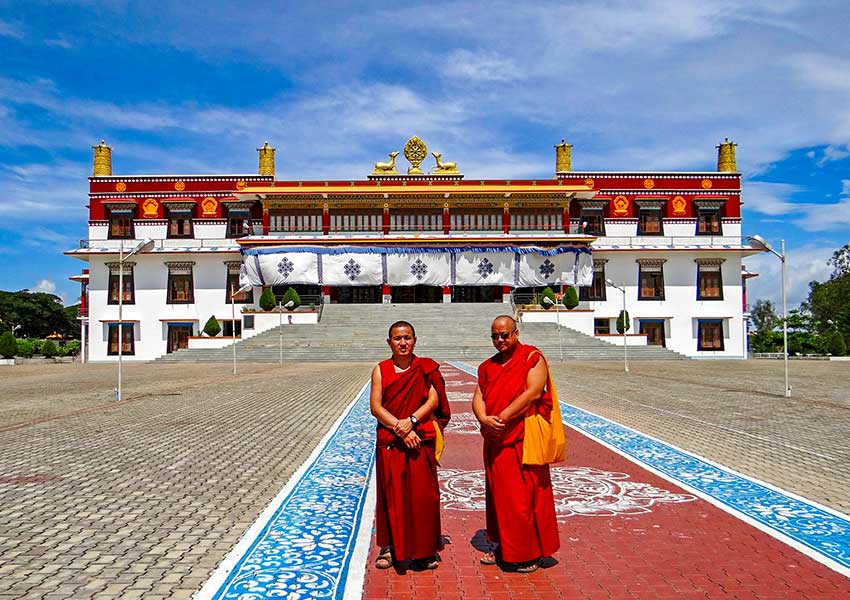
x: 734, y: 413
x: 144, y: 498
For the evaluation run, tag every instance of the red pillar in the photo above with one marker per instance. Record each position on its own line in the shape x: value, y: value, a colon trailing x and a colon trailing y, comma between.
x: 267, y: 221
x: 506, y: 219
x: 447, y: 223
x: 386, y: 221
x: 326, y: 221
x: 566, y: 218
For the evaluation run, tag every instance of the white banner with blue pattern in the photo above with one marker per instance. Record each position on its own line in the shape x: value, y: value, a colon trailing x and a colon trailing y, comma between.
x: 536, y: 270
x: 352, y: 269
x: 484, y: 268
x: 584, y: 269
x: 419, y: 268
x: 280, y: 268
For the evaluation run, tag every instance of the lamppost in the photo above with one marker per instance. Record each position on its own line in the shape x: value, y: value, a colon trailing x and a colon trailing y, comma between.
x: 142, y: 246
x: 759, y: 243
x: 233, y: 294
x: 625, y: 323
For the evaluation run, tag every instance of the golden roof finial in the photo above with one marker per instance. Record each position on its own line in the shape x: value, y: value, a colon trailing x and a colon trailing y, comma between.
x: 726, y: 162
x: 415, y: 151
x: 563, y: 157
x: 444, y: 168
x: 102, y: 160
x: 266, y: 160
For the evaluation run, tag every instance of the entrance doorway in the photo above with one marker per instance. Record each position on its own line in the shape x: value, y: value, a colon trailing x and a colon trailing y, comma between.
x: 362, y: 294
x: 178, y: 337
x: 477, y: 293
x: 417, y: 294
x: 654, y: 331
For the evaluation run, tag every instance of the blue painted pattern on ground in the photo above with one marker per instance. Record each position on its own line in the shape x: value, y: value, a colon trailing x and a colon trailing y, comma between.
x: 824, y: 532
x: 305, y: 549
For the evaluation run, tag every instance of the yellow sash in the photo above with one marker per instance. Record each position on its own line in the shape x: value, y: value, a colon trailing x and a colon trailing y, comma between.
x: 545, y: 442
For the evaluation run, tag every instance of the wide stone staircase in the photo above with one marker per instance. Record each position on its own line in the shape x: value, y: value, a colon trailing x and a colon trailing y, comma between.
x: 358, y: 332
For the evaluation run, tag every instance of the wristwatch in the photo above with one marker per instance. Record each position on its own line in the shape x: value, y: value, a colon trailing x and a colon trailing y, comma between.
x: 414, y: 421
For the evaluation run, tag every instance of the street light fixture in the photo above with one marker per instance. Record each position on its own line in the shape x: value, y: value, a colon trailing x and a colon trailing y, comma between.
x: 759, y: 243
x: 143, y: 246
x: 233, y: 293
x: 622, y: 288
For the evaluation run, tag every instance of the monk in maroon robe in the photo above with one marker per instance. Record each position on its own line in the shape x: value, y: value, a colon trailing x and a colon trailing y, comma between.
x: 408, y: 397
x: 521, y: 523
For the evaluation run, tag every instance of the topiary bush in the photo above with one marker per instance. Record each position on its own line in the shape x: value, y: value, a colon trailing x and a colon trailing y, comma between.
x: 8, y: 345
x: 547, y: 293
x: 291, y: 296
x: 267, y: 301
x: 212, y: 327
x: 570, y: 298
x: 623, y: 323
x: 48, y: 349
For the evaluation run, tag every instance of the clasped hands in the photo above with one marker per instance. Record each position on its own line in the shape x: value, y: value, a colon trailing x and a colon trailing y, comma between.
x: 403, y: 428
x: 492, y: 426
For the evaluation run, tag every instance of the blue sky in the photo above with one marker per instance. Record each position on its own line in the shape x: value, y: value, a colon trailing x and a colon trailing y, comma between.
x: 637, y: 85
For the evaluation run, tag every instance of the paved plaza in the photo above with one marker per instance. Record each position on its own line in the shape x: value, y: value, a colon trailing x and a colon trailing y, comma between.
x: 143, y: 499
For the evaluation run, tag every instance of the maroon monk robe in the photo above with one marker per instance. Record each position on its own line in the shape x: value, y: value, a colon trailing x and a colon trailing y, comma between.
x: 520, y: 503
x: 407, y: 516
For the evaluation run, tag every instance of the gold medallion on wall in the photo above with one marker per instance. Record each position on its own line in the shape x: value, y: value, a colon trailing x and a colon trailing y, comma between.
x: 209, y: 206
x: 589, y: 182
x: 621, y: 206
x: 678, y: 203
x: 120, y: 187
x: 179, y: 186
x: 649, y: 183
x: 241, y: 185
x: 150, y: 208
x: 706, y: 184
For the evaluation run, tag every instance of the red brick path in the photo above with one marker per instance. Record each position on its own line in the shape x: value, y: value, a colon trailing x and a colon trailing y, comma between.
x: 682, y: 550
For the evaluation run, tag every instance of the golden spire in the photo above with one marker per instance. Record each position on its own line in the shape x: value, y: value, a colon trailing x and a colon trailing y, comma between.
x: 266, y: 159
x: 102, y: 160
x: 726, y: 162
x: 563, y: 157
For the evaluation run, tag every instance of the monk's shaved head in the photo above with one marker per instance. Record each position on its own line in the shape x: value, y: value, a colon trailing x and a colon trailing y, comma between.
x: 504, y: 320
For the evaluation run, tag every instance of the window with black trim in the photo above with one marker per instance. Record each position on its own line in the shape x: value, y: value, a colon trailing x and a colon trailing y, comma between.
x: 238, y: 221
x: 536, y: 219
x: 181, y: 289
x: 129, y: 296
x: 248, y: 321
x: 246, y: 297
x: 709, y: 334
x: 592, y: 221
x: 709, y: 280
x: 180, y: 221
x: 649, y: 221
x: 227, y: 327
x: 128, y: 341
x: 601, y: 326
x: 651, y: 279
x: 121, y: 223
x: 596, y: 291
x: 708, y: 222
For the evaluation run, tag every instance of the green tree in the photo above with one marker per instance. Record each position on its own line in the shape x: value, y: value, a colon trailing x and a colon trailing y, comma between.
x: 212, y: 327
x: 291, y: 296
x: 623, y: 323
x: 8, y: 345
x: 547, y: 298
x: 828, y: 302
x: 763, y: 315
x: 570, y: 298
x: 48, y: 349
x: 39, y: 314
x: 267, y: 299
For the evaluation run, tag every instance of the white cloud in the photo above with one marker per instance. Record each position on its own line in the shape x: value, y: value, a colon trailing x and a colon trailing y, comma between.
x: 480, y: 66
x: 804, y: 264
x: 834, y: 153
x: 10, y: 30
x: 770, y: 198
x: 45, y: 285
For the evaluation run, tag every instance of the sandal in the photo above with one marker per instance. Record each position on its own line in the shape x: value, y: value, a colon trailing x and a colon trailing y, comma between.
x: 430, y: 563
x: 488, y: 559
x: 528, y: 567
x: 384, y: 560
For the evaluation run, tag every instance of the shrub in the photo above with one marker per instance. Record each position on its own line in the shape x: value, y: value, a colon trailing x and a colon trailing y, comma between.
x: 291, y: 296
x: 623, y: 323
x: 48, y: 349
x: 8, y: 345
x: 267, y: 301
x: 570, y: 298
x: 547, y: 293
x: 837, y: 346
x: 26, y: 348
x: 212, y: 327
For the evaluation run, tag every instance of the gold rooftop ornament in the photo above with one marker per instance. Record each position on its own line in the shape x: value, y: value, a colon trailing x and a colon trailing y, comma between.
x: 386, y: 168
x: 726, y: 162
x: 415, y: 151
x: 444, y: 168
x: 102, y: 160
x: 563, y: 157
x: 266, y: 160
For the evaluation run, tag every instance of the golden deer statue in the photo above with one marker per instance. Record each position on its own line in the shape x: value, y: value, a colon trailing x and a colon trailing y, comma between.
x: 444, y: 167
x: 386, y: 168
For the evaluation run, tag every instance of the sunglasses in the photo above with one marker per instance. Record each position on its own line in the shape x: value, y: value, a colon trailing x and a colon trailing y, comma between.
x: 503, y: 335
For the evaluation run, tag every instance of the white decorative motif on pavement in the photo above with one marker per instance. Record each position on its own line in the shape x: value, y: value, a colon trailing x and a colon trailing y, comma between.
x: 463, y: 424
x: 459, y: 396
x: 579, y: 492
